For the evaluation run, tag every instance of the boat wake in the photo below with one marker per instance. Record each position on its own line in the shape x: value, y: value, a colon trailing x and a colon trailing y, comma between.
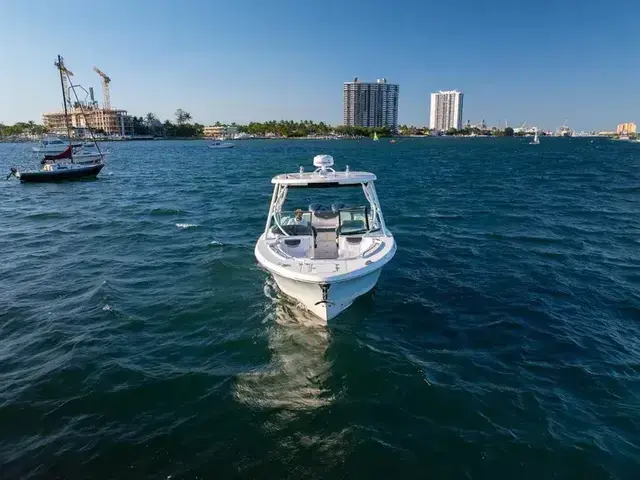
x: 187, y: 225
x: 296, y: 377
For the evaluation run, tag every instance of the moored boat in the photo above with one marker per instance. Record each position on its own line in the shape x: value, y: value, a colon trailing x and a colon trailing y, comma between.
x: 52, y: 145
x: 325, y: 257
x: 84, y: 154
x: 59, y: 172
x: 62, y: 165
x: 221, y: 145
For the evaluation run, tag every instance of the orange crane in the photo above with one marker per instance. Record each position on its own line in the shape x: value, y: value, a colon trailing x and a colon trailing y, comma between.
x: 105, y: 88
x: 60, y: 66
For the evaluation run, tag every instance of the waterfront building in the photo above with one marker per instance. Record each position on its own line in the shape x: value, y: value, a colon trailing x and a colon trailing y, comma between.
x: 369, y: 104
x: 446, y: 110
x: 112, y: 122
x: 626, y: 128
x: 220, y: 131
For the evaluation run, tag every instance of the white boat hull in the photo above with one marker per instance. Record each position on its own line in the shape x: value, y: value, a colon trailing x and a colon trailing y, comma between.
x: 222, y: 145
x: 88, y: 157
x: 327, y: 300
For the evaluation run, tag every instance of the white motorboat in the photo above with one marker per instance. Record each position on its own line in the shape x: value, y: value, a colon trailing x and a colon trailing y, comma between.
x: 88, y: 153
x: 221, y: 145
x: 53, y: 146
x: 325, y: 257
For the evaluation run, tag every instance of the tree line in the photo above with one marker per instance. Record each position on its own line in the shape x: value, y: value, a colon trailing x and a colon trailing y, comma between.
x: 150, y: 124
x: 22, y: 128
x: 183, y: 127
x: 305, y: 128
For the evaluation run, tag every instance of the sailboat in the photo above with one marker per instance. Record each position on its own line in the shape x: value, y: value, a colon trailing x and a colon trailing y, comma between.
x: 62, y: 166
x: 535, y: 140
x: 375, y: 136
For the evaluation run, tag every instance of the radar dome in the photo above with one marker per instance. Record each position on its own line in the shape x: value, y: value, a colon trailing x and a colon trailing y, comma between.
x: 322, y: 161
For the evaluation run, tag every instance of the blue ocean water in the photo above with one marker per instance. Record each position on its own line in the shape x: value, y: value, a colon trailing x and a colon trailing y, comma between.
x: 139, y: 338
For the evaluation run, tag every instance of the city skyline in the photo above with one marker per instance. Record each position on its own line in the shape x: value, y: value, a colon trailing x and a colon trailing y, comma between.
x: 540, y: 65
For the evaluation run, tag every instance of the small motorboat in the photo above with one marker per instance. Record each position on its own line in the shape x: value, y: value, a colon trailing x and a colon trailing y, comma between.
x: 325, y: 257
x: 53, y: 146
x: 55, y: 172
x: 221, y: 145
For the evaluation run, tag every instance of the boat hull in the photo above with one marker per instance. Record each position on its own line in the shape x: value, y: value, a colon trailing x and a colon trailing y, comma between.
x: 60, y: 175
x: 222, y: 145
x: 88, y: 158
x: 327, y: 300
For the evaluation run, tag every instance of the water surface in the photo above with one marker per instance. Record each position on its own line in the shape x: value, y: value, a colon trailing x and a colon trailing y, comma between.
x: 139, y: 338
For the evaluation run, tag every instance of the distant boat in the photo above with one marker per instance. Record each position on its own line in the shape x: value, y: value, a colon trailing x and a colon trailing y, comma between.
x: 375, y: 137
x: 52, y: 146
x: 564, y: 130
x: 221, y: 145
x: 535, y: 140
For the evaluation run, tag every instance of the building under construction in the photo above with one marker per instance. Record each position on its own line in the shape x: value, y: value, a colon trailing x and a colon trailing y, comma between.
x: 87, y: 114
x: 100, y: 120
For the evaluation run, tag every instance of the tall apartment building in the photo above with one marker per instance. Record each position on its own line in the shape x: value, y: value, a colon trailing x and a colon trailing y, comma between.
x: 626, y: 128
x: 368, y: 104
x: 446, y: 110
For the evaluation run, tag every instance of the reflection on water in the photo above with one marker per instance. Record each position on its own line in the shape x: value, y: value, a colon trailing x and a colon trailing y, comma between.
x: 296, y: 376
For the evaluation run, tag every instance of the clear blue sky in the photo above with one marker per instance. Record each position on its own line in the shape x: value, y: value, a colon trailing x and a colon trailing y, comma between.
x: 238, y: 60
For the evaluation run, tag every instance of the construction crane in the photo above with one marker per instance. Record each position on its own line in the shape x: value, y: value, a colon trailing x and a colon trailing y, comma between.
x: 65, y: 86
x: 105, y: 88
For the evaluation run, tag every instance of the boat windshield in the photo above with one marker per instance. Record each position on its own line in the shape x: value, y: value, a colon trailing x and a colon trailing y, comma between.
x: 344, y: 221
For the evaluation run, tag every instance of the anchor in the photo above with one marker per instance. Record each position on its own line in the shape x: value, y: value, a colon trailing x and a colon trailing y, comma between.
x: 325, y: 294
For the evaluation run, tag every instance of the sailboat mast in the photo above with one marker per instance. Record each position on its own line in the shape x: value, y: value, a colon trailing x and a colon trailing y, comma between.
x: 60, y: 65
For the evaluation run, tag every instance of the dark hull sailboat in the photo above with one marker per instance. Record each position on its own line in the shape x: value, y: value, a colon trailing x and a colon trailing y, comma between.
x: 61, y: 166
x: 61, y: 172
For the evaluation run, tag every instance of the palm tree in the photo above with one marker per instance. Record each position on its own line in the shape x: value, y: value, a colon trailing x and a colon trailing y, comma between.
x: 182, y: 117
x: 150, y: 119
